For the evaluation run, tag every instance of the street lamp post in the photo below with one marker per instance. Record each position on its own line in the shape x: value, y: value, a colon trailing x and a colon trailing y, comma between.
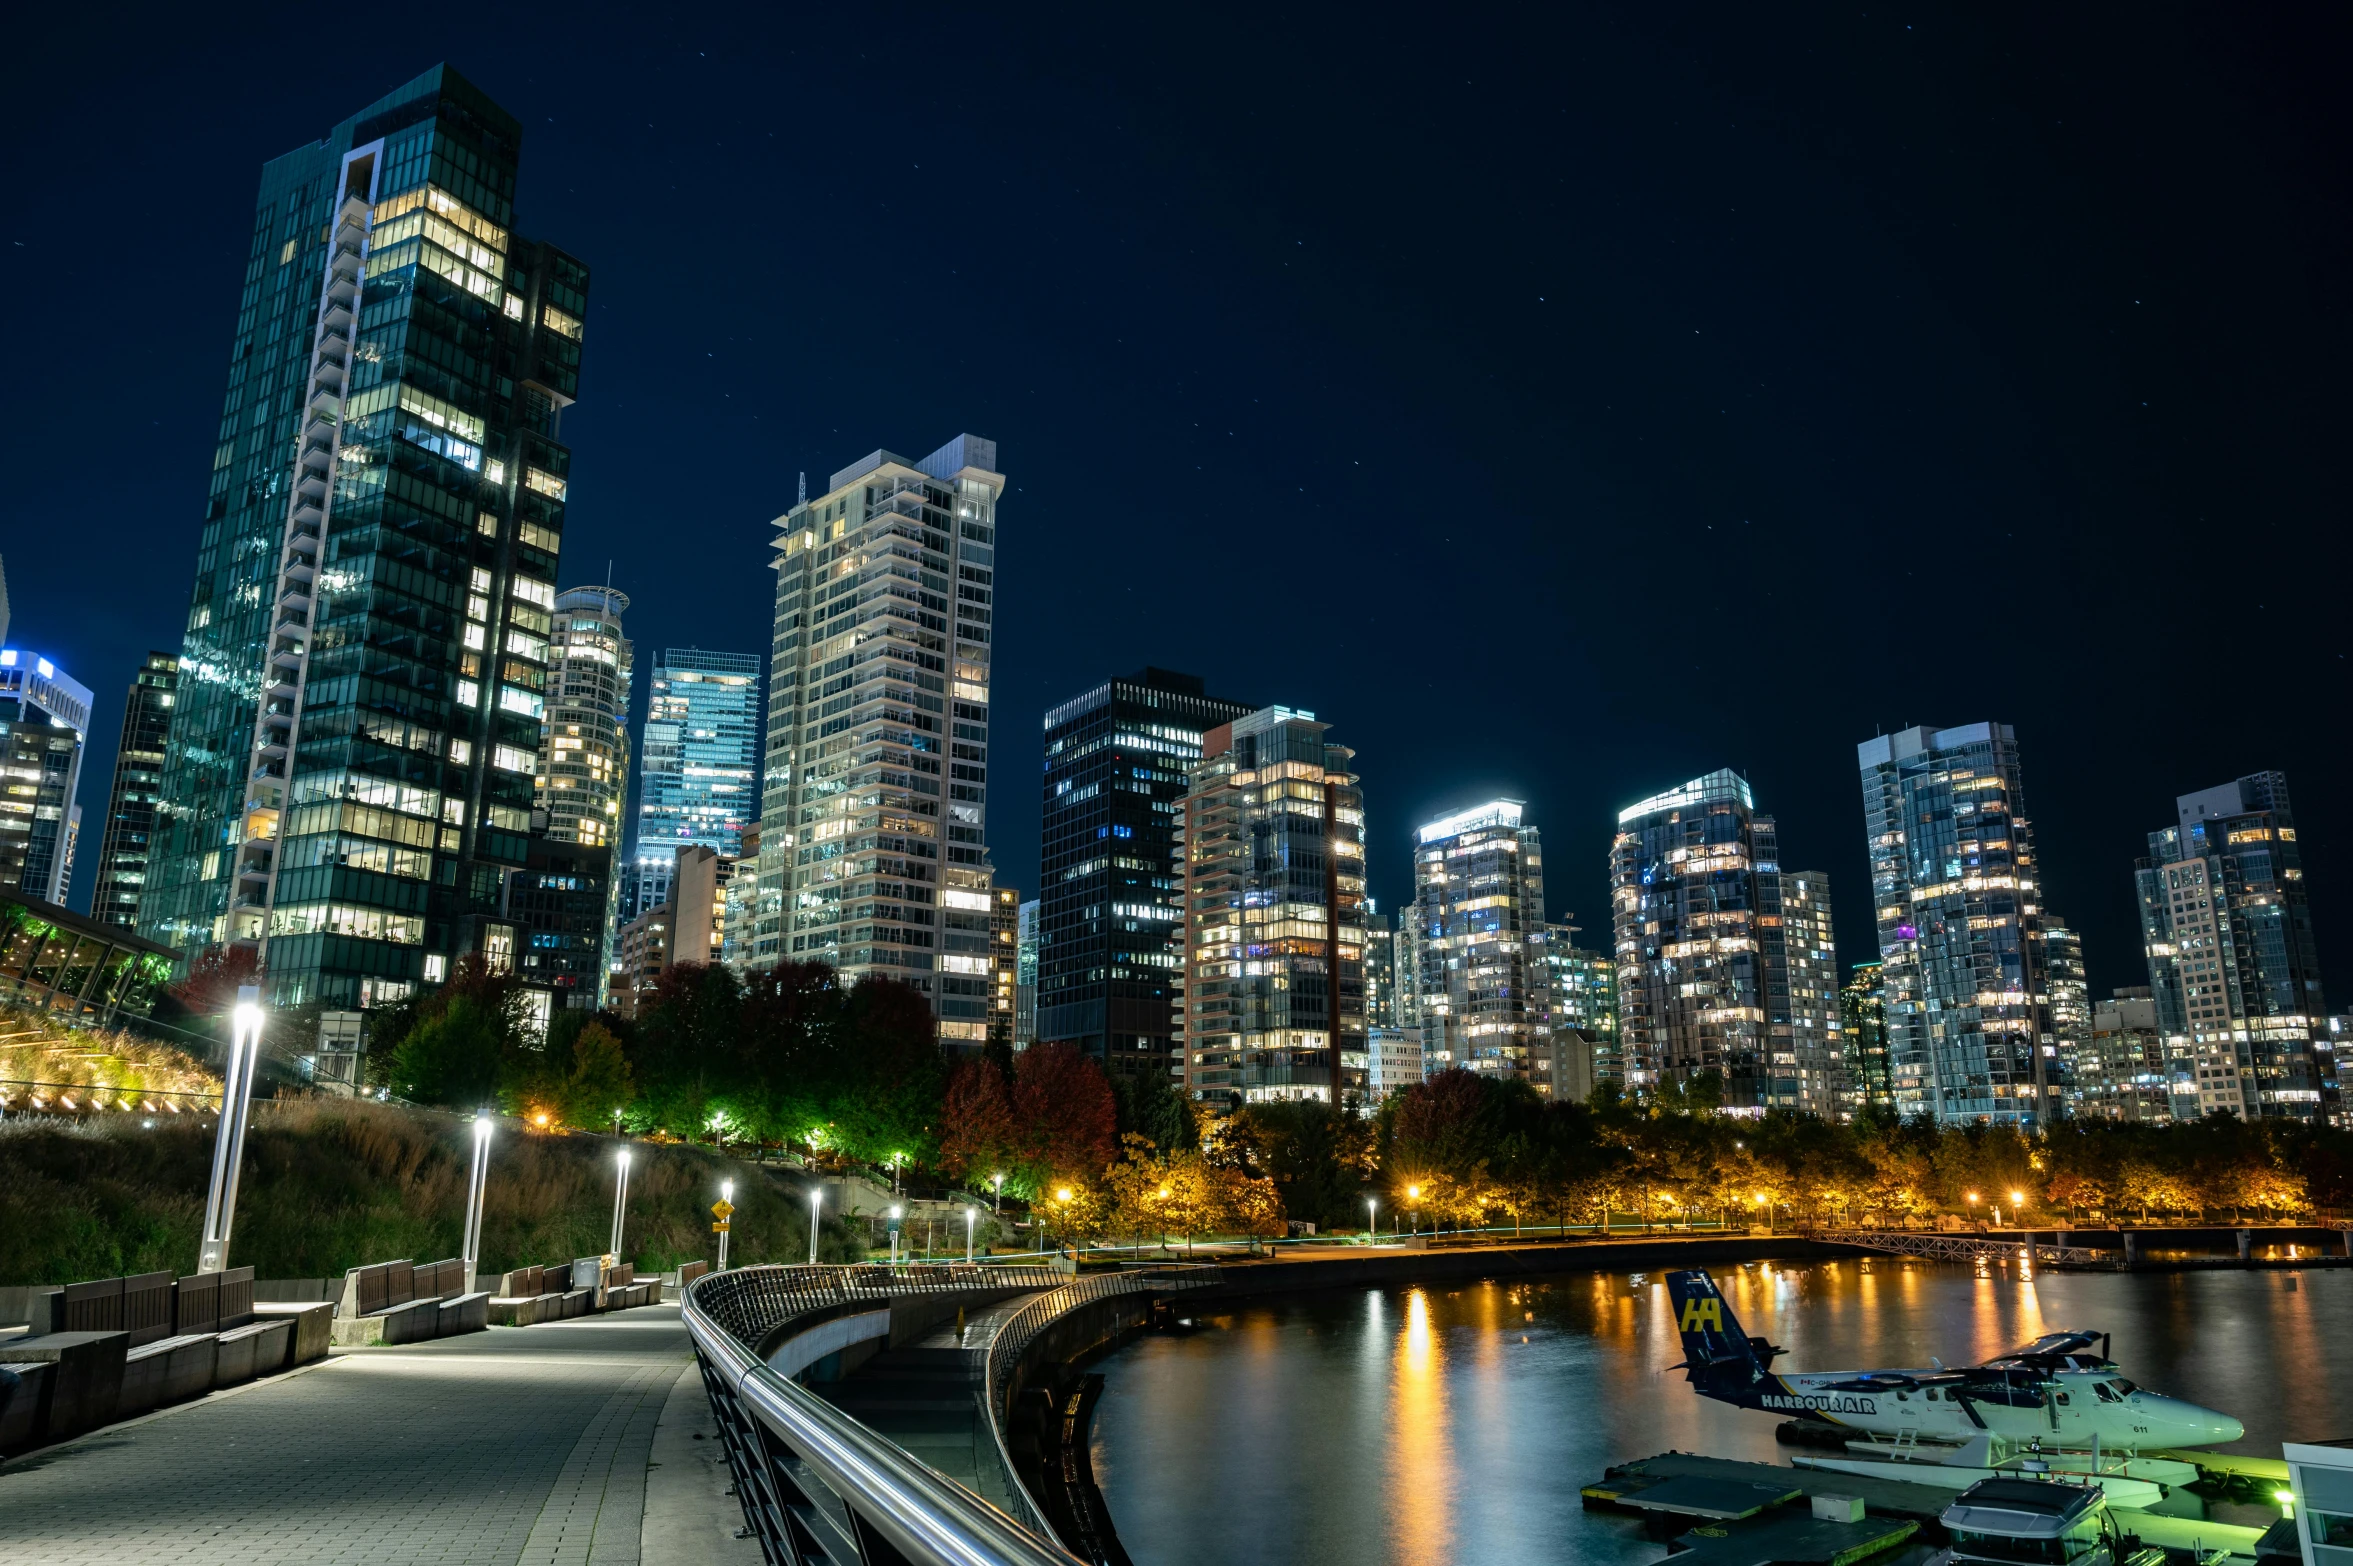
x: 228, y: 1144
x: 620, y: 1201
x: 1372, y: 1219
x: 971, y: 1214
x: 1413, y: 1194
x: 726, y: 1196
x: 894, y: 1227
x: 998, y: 1206
x: 816, y: 1201
x: 474, y: 1191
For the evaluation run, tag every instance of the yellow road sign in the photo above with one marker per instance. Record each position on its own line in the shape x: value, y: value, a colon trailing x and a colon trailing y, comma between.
x: 722, y: 1209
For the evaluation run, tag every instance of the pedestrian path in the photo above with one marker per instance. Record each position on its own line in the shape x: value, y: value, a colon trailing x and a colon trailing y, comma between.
x: 509, y: 1448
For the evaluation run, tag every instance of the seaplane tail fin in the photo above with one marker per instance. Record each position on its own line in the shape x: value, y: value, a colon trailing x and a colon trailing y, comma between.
x: 1718, y: 1358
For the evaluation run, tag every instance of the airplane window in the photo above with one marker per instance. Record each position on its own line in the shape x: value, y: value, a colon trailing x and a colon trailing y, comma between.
x: 2063, y: 1399
x: 2123, y: 1387
x: 2106, y: 1395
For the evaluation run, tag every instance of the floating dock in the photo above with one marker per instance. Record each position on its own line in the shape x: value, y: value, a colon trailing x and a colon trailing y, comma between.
x: 1750, y: 1512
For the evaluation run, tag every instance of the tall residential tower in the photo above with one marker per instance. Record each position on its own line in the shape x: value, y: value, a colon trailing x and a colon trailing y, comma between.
x: 2234, y: 971
x: 1478, y: 910
x: 355, y: 741
x: 873, y: 824
x: 1958, y: 902
x: 1272, y: 847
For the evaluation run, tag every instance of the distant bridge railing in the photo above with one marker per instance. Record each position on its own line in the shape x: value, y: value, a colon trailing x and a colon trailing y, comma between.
x: 818, y: 1487
x: 1976, y: 1248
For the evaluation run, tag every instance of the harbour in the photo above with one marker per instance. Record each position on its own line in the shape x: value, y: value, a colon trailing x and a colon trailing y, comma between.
x: 1466, y: 1420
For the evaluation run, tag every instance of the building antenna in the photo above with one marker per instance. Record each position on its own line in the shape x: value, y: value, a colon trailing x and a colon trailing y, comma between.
x: 804, y: 500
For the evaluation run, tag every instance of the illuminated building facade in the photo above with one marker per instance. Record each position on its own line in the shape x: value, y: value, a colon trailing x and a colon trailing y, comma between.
x: 1479, y: 916
x: 1005, y: 969
x: 874, y: 819
x: 1110, y: 924
x: 1807, y: 1049
x: 2234, y: 970
x: 2123, y: 1069
x: 1956, y: 899
x: 1272, y: 845
x: 1694, y: 872
x: 363, y: 675
x: 584, y: 745
x: 44, y: 724
x: 1862, y: 1016
x: 1025, y: 977
x: 699, y: 767
x: 1584, y: 987
x: 138, y: 782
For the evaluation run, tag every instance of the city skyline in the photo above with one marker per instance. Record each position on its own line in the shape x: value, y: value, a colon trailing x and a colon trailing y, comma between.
x: 2091, y: 822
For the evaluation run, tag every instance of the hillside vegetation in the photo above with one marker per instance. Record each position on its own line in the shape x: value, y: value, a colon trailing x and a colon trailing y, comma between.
x: 333, y: 1184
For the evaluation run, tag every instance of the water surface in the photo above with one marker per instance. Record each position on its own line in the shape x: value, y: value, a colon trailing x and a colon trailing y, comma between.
x: 1456, y: 1423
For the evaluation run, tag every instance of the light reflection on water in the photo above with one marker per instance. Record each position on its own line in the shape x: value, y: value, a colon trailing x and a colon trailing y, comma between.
x: 1456, y: 1423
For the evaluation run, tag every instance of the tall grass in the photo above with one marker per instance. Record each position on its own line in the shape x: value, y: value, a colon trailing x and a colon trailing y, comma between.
x: 333, y: 1184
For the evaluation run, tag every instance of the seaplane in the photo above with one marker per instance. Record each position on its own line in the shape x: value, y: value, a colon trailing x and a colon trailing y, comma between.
x: 2057, y: 1404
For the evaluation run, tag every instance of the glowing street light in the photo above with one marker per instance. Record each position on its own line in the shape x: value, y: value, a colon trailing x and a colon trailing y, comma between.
x: 474, y: 1191
x: 620, y: 1201
x: 228, y: 1147
x: 998, y: 1181
x: 1413, y: 1194
x: 971, y: 1215
x: 1372, y: 1219
x: 894, y: 1227
x: 816, y: 1201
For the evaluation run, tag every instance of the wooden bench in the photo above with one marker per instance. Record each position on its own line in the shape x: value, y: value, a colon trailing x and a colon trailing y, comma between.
x: 403, y: 1302
x: 251, y: 1345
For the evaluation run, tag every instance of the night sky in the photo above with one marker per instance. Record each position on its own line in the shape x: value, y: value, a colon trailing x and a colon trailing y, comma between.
x: 1562, y: 404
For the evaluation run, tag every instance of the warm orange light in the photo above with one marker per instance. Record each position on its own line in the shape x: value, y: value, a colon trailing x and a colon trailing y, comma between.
x: 1973, y: 1196
x: 1414, y: 1192
x: 539, y: 1119
x: 1062, y: 1195
x: 2017, y: 1198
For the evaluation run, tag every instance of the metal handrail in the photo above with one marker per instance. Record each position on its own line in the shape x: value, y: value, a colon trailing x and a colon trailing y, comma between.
x: 781, y: 1439
x: 1974, y: 1248
x: 1022, y: 1328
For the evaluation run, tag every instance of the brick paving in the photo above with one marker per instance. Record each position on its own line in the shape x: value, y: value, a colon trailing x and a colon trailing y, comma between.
x: 513, y: 1447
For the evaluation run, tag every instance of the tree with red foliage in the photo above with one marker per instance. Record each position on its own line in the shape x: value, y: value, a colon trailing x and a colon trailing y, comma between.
x: 214, y: 979
x: 1056, y: 1116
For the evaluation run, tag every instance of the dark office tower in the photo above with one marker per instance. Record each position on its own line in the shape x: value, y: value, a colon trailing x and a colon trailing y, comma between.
x: 362, y: 679
x: 1703, y: 980
x: 1954, y: 883
x: 130, y: 803
x: 1270, y: 979
x: 1111, y: 920
x: 1862, y: 1015
x: 2233, y: 967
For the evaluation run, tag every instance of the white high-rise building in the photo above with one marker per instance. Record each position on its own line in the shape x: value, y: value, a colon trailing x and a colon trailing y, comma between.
x: 584, y: 739
x: 874, y: 817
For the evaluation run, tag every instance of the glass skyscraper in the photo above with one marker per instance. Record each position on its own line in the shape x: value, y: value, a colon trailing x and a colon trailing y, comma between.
x: 355, y: 743
x: 138, y: 781
x: 1479, y: 914
x: 1862, y: 1016
x: 2234, y: 971
x: 1110, y: 917
x: 584, y: 745
x: 874, y: 815
x: 1584, y: 1002
x: 44, y: 724
x: 1271, y: 988
x: 1706, y: 980
x: 698, y: 769
x: 1957, y: 894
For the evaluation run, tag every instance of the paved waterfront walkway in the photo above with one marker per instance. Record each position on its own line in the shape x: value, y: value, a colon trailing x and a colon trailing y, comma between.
x: 512, y: 1447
